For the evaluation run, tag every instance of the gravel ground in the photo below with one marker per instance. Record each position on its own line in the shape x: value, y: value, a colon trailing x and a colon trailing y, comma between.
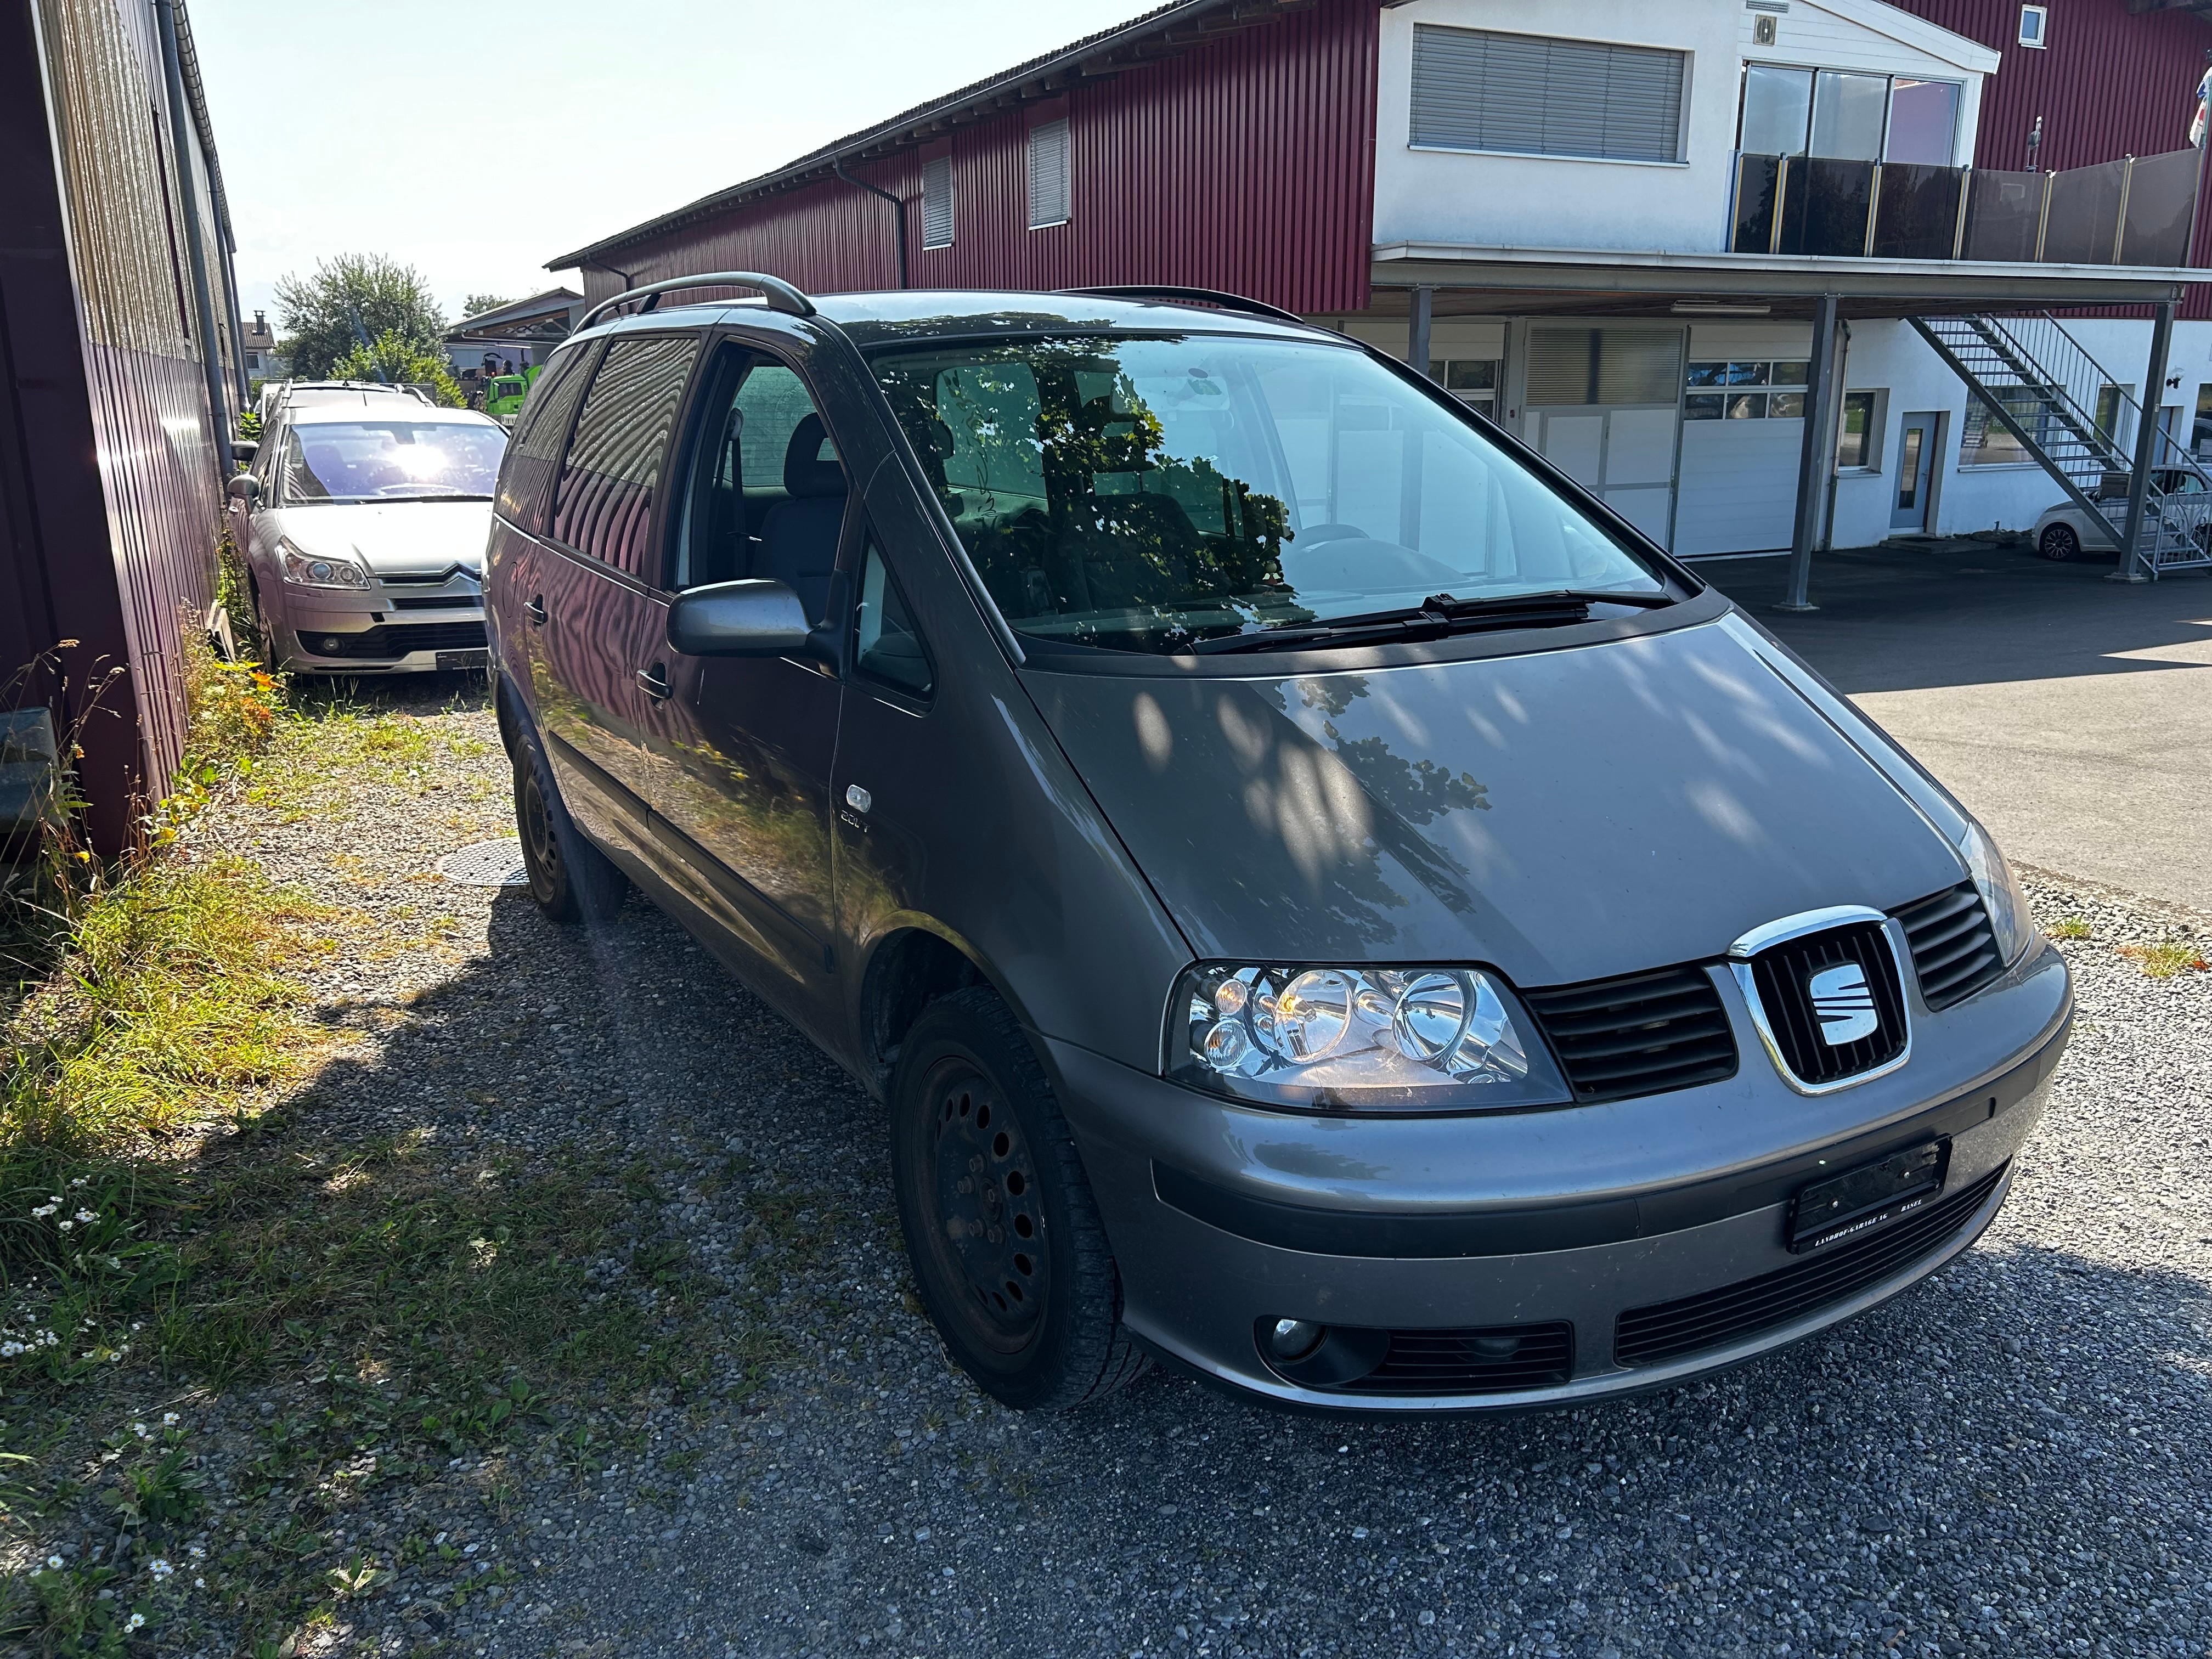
x: 2013, y: 1458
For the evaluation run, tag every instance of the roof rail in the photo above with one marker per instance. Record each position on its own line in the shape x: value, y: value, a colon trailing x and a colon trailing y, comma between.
x: 1202, y: 295
x: 780, y: 295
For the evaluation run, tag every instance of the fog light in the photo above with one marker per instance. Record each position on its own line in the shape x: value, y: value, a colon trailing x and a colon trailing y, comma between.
x: 333, y: 645
x: 1294, y: 1338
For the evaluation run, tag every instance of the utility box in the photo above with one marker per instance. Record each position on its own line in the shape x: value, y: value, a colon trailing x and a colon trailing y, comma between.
x: 30, y: 774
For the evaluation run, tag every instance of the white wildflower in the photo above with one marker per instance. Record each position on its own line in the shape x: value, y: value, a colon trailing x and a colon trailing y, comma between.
x: 79, y: 1181
x: 45, y: 1210
x: 140, y: 1430
x: 88, y: 1217
x: 197, y: 1551
x: 169, y: 1419
x: 135, y: 1622
x: 65, y: 1225
x: 54, y: 1561
x: 199, y: 1584
x: 159, y: 1567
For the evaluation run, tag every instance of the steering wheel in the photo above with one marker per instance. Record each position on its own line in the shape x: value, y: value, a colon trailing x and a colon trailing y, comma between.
x: 1314, y: 534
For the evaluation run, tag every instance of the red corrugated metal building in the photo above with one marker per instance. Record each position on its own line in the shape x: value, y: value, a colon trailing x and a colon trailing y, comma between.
x: 119, y: 339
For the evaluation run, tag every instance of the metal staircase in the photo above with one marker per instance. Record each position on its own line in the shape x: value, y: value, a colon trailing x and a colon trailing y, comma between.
x: 2025, y: 371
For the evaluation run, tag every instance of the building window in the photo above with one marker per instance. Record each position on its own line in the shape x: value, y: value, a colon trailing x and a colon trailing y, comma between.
x: 1472, y: 380
x: 2035, y: 26
x: 1847, y: 115
x: 2111, y: 413
x: 937, y: 202
x: 1858, y: 433
x: 1985, y: 441
x: 1757, y: 390
x: 1529, y: 95
x: 1049, y: 163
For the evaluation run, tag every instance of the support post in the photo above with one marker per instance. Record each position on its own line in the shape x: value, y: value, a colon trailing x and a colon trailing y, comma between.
x: 1417, y: 333
x: 1813, y: 460
x: 2161, y: 342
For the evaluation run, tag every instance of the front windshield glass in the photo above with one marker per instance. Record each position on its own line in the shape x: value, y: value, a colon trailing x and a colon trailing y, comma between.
x: 391, y: 460
x: 1151, y: 493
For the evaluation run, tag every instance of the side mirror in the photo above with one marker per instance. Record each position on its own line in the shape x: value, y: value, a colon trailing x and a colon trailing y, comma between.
x: 752, y: 617
x: 245, y: 488
x: 245, y: 449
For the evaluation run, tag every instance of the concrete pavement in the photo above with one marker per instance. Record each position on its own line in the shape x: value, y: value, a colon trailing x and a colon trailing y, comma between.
x: 2072, y: 714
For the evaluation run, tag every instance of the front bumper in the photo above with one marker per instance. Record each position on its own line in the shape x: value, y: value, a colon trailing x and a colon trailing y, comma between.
x: 1223, y: 1219
x: 417, y: 629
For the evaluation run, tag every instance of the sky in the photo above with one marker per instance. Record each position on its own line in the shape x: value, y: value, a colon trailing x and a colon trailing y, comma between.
x: 476, y: 139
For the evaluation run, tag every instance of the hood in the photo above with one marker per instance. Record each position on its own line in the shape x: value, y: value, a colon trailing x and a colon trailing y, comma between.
x: 1566, y: 815
x: 390, y: 537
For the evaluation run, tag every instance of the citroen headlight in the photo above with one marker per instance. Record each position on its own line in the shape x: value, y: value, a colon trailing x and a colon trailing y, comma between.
x: 1358, y: 1039
x: 2001, y: 898
x: 318, y: 569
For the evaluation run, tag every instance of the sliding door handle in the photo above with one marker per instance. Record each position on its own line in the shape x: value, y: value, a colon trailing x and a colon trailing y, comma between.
x: 655, y: 681
x: 536, y: 610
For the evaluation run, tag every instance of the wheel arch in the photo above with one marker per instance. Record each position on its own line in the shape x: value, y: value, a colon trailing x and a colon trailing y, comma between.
x: 910, y: 964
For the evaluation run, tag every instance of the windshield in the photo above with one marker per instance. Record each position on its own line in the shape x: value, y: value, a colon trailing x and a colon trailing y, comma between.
x: 1145, y: 495
x: 391, y: 460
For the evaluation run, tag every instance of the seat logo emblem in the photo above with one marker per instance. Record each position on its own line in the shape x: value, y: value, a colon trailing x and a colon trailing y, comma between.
x: 1844, y: 1002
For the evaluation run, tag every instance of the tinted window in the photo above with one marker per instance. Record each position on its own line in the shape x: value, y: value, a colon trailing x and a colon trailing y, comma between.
x: 538, y: 434
x: 1149, y: 494
x: 604, y: 502
x: 887, y: 648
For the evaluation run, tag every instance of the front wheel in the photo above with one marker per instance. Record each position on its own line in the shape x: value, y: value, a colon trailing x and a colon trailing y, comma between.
x: 2059, y: 543
x: 1000, y: 1222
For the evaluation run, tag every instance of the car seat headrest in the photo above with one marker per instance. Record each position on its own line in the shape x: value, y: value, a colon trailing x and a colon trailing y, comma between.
x: 804, y: 471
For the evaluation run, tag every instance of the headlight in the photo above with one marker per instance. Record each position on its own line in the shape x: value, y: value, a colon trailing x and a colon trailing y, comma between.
x: 1358, y: 1039
x: 2001, y: 898
x: 318, y: 570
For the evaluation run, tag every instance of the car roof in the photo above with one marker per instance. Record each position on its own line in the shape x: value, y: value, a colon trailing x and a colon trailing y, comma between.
x: 923, y: 315
x: 321, y: 414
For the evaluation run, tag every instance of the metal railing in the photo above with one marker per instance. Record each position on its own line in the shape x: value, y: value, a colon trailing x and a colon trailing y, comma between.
x: 2024, y: 371
x: 2139, y: 211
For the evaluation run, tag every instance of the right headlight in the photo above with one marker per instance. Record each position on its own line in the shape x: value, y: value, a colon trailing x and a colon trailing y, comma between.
x: 1337, y: 1039
x: 318, y: 569
x: 2009, y: 917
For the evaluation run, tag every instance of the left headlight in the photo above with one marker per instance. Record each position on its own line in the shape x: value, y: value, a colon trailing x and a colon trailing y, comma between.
x: 1358, y: 1039
x: 318, y: 569
x: 2009, y: 917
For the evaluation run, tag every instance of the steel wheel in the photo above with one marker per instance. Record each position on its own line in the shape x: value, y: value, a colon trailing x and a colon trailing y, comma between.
x: 989, y: 1221
x: 541, y: 847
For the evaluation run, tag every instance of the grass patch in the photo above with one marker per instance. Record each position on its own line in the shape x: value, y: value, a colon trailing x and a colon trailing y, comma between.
x: 2166, y: 958
x: 2070, y: 927
x: 332, y: 747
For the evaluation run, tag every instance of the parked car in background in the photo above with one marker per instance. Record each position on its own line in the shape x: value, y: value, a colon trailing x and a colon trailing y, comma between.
x: 505, y: 394
x: 362, y: 519
x: 2067, y: 530
x: 1324, y: 901
x: 280, y: 395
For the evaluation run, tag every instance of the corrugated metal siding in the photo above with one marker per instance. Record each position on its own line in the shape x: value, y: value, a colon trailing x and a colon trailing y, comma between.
x: 1246, y: 164
x: 124, y: 563
x: 2111, y: 83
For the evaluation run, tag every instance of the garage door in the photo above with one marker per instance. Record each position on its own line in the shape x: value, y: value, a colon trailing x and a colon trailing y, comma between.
x: 1743, y: 432
x: 1602, y: 402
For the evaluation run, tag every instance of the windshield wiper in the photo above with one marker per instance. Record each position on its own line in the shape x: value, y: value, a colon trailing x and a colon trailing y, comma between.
x: 1439, y: 616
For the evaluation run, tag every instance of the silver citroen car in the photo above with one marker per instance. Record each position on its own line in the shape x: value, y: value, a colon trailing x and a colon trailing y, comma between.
x: 1320, y: 901
x: 362, y: 519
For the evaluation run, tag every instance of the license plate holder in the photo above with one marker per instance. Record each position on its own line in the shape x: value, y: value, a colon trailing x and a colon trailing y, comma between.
x: 457, y: 662
x: 1872, y: 1196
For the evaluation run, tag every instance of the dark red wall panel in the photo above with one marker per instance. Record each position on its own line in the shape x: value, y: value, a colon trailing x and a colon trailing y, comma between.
x: 1247, y: 164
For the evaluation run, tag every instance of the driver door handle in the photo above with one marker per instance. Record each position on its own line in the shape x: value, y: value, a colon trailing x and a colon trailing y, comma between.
x: 536, y: 609
x: 655, y: 681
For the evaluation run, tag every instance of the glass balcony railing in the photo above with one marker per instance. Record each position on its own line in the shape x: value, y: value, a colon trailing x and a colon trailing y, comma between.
x: 2141, y: 210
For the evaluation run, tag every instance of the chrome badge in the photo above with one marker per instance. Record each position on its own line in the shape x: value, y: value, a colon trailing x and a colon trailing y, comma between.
x: 1844, y: 1002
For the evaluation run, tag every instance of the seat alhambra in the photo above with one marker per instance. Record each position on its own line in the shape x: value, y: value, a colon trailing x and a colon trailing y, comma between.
x: 1320, y: 901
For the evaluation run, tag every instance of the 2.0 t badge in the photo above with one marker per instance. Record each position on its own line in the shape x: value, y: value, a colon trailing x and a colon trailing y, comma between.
x: 1844, y: 1002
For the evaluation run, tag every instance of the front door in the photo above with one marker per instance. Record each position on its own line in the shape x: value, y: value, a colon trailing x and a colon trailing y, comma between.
x: 1916, y: 466
x: 742, y: 746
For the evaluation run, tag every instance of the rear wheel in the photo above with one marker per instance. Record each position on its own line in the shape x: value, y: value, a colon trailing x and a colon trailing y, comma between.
x: 572, y: 880
x: 2059, y: 542
x: 1000, y: 1222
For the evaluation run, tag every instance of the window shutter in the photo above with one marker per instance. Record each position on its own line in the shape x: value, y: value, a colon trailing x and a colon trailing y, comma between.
x: 1530, y: 95
x: 1048, y: 182
x: 1583, y: 366
x: 937, y: 202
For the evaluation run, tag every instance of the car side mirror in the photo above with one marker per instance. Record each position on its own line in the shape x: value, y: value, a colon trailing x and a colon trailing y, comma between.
x: 245, y: 488
x: 243, y: 450
x: 750, y: 618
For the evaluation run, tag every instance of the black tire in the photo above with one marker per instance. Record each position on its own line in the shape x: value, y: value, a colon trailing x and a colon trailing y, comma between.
x: 574, y: 883
x: 1015, y: 1269
x: 2059, y: 543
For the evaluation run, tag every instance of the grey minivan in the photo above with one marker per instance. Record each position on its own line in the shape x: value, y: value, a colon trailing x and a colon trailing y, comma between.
x: 1322, y: 901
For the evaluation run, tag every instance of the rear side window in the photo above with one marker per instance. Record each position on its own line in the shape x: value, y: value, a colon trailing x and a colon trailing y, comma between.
x: 538, y: 434
x: 602, y: 505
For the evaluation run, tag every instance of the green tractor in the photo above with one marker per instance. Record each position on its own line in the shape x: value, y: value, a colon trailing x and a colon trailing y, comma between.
x: 504, y: 393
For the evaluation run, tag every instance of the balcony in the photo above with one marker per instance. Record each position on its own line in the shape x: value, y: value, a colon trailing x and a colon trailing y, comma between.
x: 2137, y: 211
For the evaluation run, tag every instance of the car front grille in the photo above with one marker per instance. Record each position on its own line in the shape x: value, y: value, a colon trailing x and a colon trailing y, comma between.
x: 1491, y: 1359
x: 468, y: 599
x: 1642, y: 1034
x: 1954, y: 949
x: 1714, y: 1319
x: 389, y: 640
x: 1781, y: 981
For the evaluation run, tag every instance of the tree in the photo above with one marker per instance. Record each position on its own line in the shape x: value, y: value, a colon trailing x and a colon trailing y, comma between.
x: 354, y: 298
x: 476, y: 304
x: 396, y: 360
